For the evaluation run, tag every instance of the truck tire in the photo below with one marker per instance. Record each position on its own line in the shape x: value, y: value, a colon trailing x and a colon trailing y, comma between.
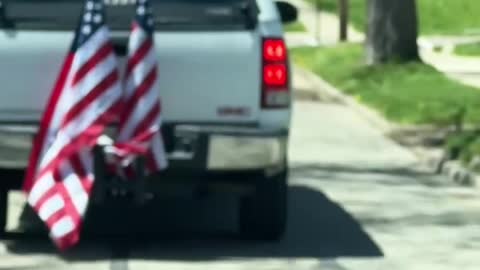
x: 3, y: 211
x: 263, y: 215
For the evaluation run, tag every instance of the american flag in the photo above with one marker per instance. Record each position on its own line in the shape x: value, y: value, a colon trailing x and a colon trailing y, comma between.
x: 86, y: 97
x: 140, y: 121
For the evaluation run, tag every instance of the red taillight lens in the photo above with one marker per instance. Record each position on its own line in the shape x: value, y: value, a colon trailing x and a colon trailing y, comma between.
x: 274, y: 50
x: 275, y: 74
x: 275, y: 85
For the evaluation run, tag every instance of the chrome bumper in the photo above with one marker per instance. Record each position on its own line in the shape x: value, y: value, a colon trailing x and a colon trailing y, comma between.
x: 15, y: 145
x: 230, y: 152
x: 195, y: 146
x: 229, y: 148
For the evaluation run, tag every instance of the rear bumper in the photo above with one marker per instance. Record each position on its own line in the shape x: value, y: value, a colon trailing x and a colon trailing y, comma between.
x: 15, y: 145
x: 220, y: 148
x: 190, y: 147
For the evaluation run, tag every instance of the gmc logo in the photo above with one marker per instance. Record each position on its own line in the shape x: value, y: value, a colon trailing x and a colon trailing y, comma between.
x: 119, y: 2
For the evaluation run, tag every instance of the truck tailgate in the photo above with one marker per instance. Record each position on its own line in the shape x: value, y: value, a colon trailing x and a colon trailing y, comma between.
x: 204, y: 76
x: 210, y: 76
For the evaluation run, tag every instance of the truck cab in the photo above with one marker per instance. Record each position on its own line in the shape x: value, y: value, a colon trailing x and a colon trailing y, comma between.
x: 225, y: 86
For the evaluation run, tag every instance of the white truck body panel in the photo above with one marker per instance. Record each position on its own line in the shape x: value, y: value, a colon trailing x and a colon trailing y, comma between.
x: 200, y: 73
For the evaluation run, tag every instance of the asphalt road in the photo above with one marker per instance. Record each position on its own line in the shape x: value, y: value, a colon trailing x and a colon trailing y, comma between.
x: 357, y: 201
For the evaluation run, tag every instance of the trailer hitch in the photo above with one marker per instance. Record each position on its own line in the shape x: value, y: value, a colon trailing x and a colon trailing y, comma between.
x: 109, y: 185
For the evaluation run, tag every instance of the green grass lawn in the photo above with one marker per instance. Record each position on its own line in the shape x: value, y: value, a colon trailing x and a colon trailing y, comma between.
x: 436, y: 16
x: 412, y: 93
x: 294, y: 27
x: 471, y: 49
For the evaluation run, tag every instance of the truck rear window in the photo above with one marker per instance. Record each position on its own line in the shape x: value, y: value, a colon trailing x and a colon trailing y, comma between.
x: 169, y: 14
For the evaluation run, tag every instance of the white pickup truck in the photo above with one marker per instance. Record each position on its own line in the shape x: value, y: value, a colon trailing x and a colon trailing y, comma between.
x: 225, y: 87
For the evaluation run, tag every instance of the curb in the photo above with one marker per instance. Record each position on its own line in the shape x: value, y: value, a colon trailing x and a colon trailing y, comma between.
x: 326, y: 90
x: 433, y: 159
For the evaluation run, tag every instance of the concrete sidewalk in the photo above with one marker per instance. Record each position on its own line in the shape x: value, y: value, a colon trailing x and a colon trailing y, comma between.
x: 461, y: 68
x: 323, y: 28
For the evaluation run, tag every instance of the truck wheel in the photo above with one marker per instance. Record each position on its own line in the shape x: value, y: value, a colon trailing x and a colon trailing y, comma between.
x: 263, y: 215
x: 3, y: 211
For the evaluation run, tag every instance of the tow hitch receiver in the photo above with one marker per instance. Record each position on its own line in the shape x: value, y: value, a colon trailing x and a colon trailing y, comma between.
x: 109, y: 185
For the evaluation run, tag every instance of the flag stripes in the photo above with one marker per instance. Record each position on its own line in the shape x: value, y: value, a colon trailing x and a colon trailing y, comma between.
x: 140, y: 121
x: 87, y: 96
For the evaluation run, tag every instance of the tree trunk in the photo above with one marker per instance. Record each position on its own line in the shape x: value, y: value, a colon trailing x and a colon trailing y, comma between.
x: 343, y: 11
x: 392, y: 31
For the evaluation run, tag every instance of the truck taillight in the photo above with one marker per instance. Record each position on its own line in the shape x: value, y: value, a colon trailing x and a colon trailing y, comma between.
x: 275, y: 74
x: 274, y: 50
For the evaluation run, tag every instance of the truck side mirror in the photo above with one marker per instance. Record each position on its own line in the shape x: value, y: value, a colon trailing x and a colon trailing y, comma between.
x: 288, y: 12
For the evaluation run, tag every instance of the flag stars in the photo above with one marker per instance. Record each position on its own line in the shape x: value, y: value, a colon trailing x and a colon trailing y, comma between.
x: 87, y: 29
x: 98, y: 18
x: 90, y: 5
x: 141, y: 10
x: 87, y: 17
x: 92, y: 18
x: 150, y: 22
x: 144, y: 13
